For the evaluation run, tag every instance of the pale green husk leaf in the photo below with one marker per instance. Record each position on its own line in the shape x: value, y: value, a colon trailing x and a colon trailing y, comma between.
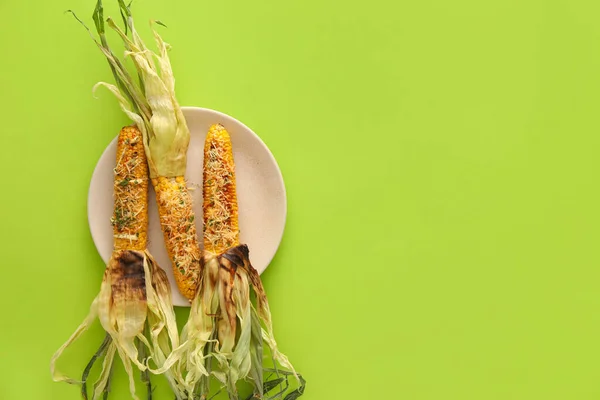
x: 230, y: 348
x: 150, y: 103
x: 126, y: 317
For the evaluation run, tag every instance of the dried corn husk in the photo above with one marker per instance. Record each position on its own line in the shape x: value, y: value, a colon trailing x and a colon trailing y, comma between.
x: 134, y: 308
x: 226, y: 330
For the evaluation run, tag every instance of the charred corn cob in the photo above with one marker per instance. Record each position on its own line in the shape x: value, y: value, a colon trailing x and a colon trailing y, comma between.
x: 179, y: 230
x: 221, y: 230
x: 135, y: 296
x: 226, y: 331
x: 130, y: 215
x: 152, y: 105
x: 134, y: 304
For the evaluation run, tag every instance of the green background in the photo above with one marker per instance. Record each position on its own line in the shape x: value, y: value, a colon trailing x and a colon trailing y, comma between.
x: 440, y: 162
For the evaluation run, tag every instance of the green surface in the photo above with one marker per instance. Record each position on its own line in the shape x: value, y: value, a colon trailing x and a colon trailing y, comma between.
x: 440, y: 162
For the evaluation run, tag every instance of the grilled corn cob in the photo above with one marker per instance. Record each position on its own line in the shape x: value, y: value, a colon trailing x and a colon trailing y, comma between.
x: 225, y: 332
x: 179, y: 230
x: 130, y: 215
x: 221, y: 230
x: 152, y: 105
x: 135, y: 296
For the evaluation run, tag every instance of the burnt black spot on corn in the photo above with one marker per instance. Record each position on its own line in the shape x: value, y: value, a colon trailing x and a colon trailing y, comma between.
x: 127, y: 275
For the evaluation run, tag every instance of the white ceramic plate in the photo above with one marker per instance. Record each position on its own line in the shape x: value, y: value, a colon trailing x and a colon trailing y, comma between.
x: 261, y: 194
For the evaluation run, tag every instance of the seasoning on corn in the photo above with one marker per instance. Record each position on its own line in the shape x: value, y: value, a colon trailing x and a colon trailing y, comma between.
x: 130, y: 216
x: 225, y: 333
x: 221, y: 230
x: 179, y: 230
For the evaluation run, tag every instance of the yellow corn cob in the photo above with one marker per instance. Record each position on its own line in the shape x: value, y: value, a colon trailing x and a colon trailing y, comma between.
x: 177, y: 221
x: 221, y: 230
x: 130, y: 216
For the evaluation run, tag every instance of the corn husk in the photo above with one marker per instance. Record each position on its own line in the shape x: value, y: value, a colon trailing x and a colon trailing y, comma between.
x: 134, y: 308
x: 227, y: 331
x: 151, y: 102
